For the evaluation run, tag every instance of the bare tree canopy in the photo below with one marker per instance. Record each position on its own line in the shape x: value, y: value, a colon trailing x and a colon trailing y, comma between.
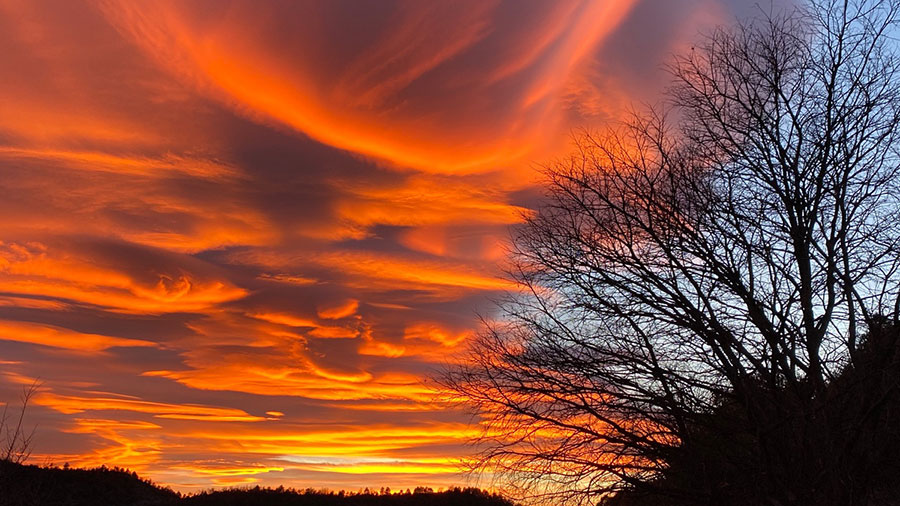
x: 714, y: 287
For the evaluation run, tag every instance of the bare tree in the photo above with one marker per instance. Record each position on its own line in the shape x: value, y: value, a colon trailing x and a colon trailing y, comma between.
x: 700, y: 280
x: 16, y: 445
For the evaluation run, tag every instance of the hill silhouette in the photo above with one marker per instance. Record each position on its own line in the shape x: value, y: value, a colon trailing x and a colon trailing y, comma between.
x: 30, y: 485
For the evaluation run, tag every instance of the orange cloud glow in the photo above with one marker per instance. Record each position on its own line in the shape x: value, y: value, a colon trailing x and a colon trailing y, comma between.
x: 237, y: 238
x: 48, y: 335
x: 347, y: 106
x: 97, y: 276
x: 76, y: 404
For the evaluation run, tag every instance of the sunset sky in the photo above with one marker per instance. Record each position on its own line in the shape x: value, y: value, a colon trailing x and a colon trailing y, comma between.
x: 236, y: 237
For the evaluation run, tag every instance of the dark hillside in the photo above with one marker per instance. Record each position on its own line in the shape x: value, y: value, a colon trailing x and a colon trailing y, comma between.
x: 26, y: 485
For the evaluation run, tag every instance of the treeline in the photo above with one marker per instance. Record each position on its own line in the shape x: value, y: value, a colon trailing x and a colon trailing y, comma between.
x: 420, y: 496
x: 29, y: 485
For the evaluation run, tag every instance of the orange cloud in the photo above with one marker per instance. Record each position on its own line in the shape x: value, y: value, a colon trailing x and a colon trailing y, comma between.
x: 377, y: 348
x: 374, y: 270
x: 111, y: 195
x: 434, y: 200
x: 137, y: 166
x: 418, y: 466
x: 285, y: 319
x: 340, y: 310
x: 399, y: 272
x: 348, y: 106
x: 437, y: 333
x: 231, y: 471
x: 79, y: 404
x: 49, y: 335
x: 72, y: 272
x: 472, y: 243
x: 341, y: 440
x: 275, y: 372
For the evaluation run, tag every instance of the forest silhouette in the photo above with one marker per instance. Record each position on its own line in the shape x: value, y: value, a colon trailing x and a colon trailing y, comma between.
x: 30, y: 485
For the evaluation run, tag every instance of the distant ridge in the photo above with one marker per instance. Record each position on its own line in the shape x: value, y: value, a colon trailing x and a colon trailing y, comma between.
x: 286, y: 497
x: 29, y: 485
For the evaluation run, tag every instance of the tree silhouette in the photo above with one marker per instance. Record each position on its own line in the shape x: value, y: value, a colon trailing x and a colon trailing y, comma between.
x: 702, y: 282
x: 16, y: 437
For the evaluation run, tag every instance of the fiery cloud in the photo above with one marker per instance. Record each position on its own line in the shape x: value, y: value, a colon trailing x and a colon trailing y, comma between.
x: 49, y: 335
x: 236, y: 238
x: 279, y: 76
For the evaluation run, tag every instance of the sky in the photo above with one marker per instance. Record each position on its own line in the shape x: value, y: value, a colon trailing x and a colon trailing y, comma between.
x: 239, y: 238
